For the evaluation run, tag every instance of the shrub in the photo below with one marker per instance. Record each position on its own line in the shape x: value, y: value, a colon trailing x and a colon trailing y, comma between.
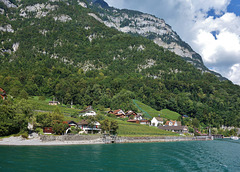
x: 24, y: 135
x: 42, y: 98
x: 38, y: 130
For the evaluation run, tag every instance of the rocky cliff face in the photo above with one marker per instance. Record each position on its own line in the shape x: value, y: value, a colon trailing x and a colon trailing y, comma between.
x: 151, y: 27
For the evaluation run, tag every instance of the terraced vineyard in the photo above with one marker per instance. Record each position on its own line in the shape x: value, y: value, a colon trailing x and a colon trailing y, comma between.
x: 165, y: 113
x: 138, y: 130
x: 42, y: 105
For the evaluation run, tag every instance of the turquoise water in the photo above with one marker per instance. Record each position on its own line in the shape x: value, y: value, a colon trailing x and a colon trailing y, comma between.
x: 218, y: 155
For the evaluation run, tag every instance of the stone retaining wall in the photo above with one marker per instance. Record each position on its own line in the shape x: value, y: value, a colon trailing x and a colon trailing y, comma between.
x: 158, y: 139
x: 47, y: 138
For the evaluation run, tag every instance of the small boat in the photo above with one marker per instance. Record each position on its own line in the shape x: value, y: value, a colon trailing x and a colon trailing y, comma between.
x: 234, y: 138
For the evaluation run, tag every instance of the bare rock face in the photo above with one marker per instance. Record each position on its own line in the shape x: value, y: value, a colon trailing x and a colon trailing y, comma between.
x: 1, y: 11
x: 95, y: 16
x: 62, y: 18
x: 15, y: 47
x: 40, y: 10
x: 6, y: 28
x: 151, y: 27
x: 148, y: 25
x: 83, y: 4
x: 8, y: 4
x: 174, y: 47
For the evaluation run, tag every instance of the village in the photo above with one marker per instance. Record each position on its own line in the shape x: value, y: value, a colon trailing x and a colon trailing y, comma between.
x: 87, y: 122
x: 93, y: 127
x: 86, y: 126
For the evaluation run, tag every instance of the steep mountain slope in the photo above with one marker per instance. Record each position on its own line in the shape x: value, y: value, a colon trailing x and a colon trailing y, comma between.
x: 62, y: 48
x: 151, y: 27
x: 74, y: 35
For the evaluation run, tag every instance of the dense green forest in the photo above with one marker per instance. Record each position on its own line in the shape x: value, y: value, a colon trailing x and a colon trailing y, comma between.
x: 83, y: 61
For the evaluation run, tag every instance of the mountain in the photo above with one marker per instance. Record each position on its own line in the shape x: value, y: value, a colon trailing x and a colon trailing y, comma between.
x: 63, y: 49
x: 151, y: 27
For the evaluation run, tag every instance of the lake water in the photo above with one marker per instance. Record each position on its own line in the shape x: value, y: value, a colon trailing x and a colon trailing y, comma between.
x: 217, y: 155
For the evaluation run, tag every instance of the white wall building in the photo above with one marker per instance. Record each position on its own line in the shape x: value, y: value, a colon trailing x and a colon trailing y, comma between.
x: 156, y: 121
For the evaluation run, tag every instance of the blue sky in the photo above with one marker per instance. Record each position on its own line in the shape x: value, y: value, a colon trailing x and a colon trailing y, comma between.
x: 234, y: 7
x: 211, y: 27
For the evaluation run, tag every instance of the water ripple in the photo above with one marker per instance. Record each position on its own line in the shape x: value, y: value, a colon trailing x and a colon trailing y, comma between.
x: 219, y: 155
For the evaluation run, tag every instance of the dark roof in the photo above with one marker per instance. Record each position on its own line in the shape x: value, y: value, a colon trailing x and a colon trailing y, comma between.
x: 71, y: 122
x: 172, y: 127
x: 130, y: 112
x: 144, y: 120
x: 159, y: 119
x: 119, y: 114
x: 83, y: 122
x: 132, y: 120
x: 116, y: 111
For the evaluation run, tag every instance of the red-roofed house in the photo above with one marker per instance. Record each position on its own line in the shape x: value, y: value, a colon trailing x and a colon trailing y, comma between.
x: 173, y: 123
x: 119, y: 113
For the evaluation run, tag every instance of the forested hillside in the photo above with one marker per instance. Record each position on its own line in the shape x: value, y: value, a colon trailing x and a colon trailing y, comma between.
x: 60, y: 48
x: 149, y: 26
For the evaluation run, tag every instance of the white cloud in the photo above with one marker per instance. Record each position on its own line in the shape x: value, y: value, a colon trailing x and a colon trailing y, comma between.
x: 234, y: 73
x: 223, y: 53
x: 190, y: 20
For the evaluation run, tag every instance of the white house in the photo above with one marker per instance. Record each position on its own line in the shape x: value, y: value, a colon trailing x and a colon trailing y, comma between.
x: 89, y: 112
x: 83, y: 125
x: 118, y: 112
x: 138, y: 117
x: 144, y: 122
x: 54, y: 103
x: 72, y: 123
x: 156, y: 121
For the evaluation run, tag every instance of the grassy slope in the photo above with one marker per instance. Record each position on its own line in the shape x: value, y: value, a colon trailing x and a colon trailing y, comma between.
x: 168, y: 114
x: 130, y: 129
x: 165, y: 113
x: 42, y: 105
x: 125, y: 128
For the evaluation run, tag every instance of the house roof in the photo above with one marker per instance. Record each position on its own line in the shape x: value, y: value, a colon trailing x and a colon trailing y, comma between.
x: 119, y: 114
x: 83, y: 122
x: 130, y: 112
x: 159, y: 119
x: 172, y: 127
x: 87, y: 110
x: 69, y: 121
x: 116, y: 111
x: 144, y: 120
x: 167, y: 123
x: 53, y: 102
x: 133, y: 120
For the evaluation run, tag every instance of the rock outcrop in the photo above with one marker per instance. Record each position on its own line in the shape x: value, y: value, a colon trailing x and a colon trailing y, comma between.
x: 151, y: 27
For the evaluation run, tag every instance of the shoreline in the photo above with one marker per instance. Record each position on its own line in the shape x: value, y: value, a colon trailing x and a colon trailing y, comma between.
x: 19, y: 141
